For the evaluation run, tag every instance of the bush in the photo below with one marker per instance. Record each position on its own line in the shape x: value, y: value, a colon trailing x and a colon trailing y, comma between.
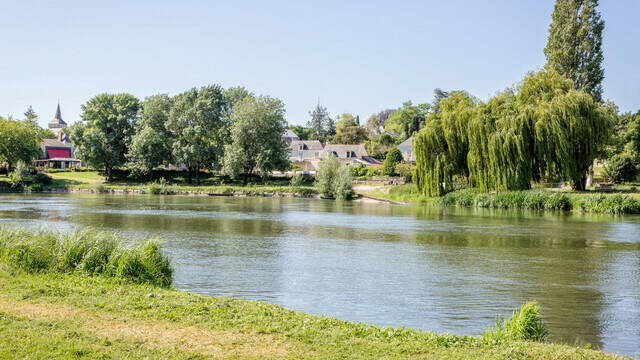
x: 621, y: 168
x: 523, y: 325
x: 404, y: 170
x: 394, y: 156
x: 334, y: 179
x: 42, y: 179
x: 90, y: 252
x: 613, y: 204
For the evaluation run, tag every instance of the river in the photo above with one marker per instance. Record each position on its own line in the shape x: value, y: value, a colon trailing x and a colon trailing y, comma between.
x: 441, y: 269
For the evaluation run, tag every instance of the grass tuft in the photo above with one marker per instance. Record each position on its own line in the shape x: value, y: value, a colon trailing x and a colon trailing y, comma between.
x: 523, y: 325
x: 87, y: 251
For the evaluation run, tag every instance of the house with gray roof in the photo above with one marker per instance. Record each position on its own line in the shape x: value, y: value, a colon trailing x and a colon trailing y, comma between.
x: 406, y: 148
x: 290, y: 136
x: 349, y: 154
x: 305, y: 153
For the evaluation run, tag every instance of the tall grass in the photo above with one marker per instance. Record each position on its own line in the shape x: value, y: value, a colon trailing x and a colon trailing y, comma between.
x: 524, y: 324
x: 544, y: 200
x: 86, y: 251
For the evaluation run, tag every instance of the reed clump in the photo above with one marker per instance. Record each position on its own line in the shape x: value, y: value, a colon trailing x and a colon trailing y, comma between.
x: 544, y: 200
x: 89, y: 252
x: 524, y: 324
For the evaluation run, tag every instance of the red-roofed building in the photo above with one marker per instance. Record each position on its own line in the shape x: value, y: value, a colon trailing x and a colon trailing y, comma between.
x: 57, y: 153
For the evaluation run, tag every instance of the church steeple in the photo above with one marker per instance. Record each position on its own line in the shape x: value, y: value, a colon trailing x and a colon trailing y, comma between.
x: 57, y: 123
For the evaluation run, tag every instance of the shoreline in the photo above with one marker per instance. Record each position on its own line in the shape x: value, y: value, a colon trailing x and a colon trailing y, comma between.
x: 111, y: 316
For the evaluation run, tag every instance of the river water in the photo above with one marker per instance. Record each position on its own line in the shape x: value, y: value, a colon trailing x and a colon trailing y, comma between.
x: 441, y: 269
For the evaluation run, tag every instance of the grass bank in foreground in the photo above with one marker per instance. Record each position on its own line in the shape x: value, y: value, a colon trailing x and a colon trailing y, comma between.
x: 58, y: 311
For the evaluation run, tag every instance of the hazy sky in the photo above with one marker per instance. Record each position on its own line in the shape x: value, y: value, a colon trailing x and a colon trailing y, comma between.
x: 353, y: 56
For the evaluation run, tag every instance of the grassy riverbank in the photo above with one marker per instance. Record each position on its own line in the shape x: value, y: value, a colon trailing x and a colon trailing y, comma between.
x: 58, y: 310
x: 173, y: 183
x: 622, y: 201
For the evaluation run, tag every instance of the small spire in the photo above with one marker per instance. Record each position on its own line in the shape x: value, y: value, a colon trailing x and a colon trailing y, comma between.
x: 58, y: 114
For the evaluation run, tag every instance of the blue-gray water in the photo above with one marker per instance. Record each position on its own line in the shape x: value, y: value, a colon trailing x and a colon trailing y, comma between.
x: 446, y: 270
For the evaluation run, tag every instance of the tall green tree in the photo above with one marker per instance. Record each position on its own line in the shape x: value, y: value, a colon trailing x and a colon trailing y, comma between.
x: 198, y: 125
x: 31, y: 117
x: 321, y: 124
x: 302, y: 132
x: 19, y: 141
x: 407, y: 120
x: 152, y: 143
x: 256, y: 138
x: 349, y: 131
x: 442, y: 146
x: 104, y: 134
x: 574, y: 47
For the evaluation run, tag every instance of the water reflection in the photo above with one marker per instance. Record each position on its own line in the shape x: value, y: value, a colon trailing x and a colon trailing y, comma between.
x: 442, y: 269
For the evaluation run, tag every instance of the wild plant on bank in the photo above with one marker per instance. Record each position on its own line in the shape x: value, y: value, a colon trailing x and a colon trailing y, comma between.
x: 86, y: 251
x: 524, y: 324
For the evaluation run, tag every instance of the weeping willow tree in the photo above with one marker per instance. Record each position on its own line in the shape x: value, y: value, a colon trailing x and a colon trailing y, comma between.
x: 441, y: 147
x: 500, y: 144
x: 544, y: 129
x: 569, y: 126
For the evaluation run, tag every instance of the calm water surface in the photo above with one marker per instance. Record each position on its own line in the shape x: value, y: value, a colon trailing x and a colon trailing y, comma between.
x: 447, y: 270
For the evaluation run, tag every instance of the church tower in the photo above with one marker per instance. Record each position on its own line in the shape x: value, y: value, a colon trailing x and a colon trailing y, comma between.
x: 56, y: 124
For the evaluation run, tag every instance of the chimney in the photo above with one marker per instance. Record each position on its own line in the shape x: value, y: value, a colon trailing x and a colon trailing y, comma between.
x: 60, y: 136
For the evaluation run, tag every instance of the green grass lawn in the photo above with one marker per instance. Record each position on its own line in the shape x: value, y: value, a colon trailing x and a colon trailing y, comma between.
x: 210, y: 184
x: 76, y: 316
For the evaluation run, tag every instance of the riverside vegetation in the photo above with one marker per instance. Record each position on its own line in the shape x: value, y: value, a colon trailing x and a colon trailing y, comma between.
x: 69, y: 295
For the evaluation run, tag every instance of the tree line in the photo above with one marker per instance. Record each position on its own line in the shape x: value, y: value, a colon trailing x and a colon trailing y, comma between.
x: 208, y: 128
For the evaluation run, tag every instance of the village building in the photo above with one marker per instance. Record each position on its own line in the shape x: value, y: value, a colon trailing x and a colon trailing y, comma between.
x: 57, y: 153
x: 289, y: 136
x: 349, y: 154
x: 406, y: 149
x: 305, y: 154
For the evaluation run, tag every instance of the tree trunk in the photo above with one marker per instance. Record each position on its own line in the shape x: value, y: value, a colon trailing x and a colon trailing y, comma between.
x: 247, y: 176
x: 198, y: 175
x: 579, y: 185
x: 189, y: 175
x: 109, y: 170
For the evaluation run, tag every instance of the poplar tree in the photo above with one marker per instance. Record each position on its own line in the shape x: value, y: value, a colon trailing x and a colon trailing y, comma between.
x: 574, y: 47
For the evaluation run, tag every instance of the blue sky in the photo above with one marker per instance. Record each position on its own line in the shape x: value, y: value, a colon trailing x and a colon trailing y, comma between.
x: 352, y: 56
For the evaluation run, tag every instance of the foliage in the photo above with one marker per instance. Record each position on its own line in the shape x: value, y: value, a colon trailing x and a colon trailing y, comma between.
x: 42, y: 179
x: 379, y: 146
x: 375, y: 123
x: 302, y: 132
x: 574, y: 47
x: 542, y: 129
x: 89, y: 252
x: 334, y: 179
x: 19, y: 141
x: 441, y: 147
x: 321, y: 124
x: 407, y: 120
x: 104, y: 134
x: 621, y: 168
x: 256, y: 138
x: 544, y: 200
x: 297, y: 180
x: 152, y: 143
x: 198, y: 125
x: 523, y: 325
x: 404, y: 170
x: 394, y: 157
x: 349, y: 131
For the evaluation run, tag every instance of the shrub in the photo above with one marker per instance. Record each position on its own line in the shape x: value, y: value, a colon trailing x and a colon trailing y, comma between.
x: 371, y: 172
x: 43, y: 179
x: 334, y: 179
x: 394, y: 156
x: 404, y: 169
x: 90, y: 252
x: 97, y: 189
x: 523, y: 325
x: 621, y: 168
